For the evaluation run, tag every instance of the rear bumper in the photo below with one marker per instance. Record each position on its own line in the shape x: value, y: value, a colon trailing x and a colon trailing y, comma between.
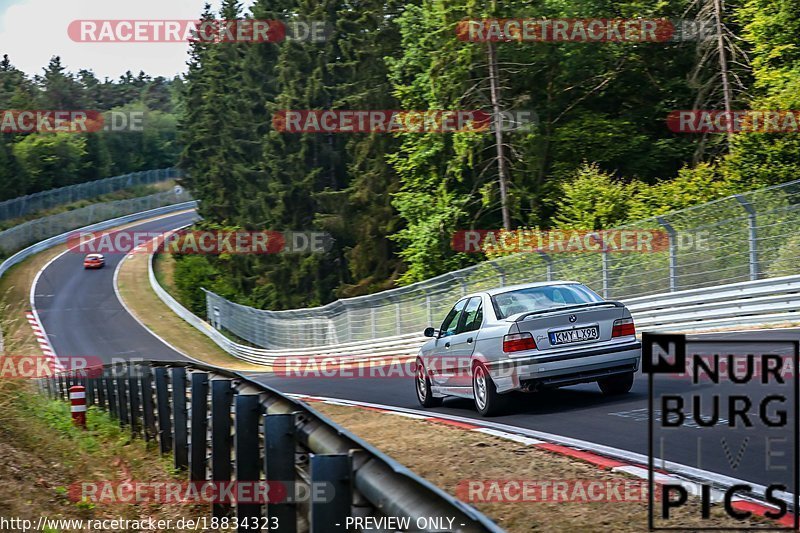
x: 557, y: 370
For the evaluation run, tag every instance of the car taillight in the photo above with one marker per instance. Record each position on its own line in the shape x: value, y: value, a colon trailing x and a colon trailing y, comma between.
x: 518, y: 341
x: 623, y: 327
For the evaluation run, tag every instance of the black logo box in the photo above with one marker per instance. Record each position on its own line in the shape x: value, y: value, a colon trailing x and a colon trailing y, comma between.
x: 676, y: 363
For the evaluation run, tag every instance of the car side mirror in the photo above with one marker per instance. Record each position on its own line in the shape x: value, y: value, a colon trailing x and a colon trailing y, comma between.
x: 429, y: 332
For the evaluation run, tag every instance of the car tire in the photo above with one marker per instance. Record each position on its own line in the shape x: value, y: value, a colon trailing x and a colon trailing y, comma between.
x: 422, y: 385
x: 614, y: 385
x: 488, y: 401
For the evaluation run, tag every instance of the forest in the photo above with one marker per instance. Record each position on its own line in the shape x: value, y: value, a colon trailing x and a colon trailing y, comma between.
x: 601, y: 153
x: 39, y: 160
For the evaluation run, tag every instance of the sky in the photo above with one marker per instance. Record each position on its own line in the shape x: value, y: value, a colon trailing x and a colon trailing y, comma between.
x: 33, y: 31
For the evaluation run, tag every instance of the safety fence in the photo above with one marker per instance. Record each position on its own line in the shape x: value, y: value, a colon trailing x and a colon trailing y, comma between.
x: 25, y: 205
x: 741, y: 238
x: 34, y: 231
x: 222, y: 428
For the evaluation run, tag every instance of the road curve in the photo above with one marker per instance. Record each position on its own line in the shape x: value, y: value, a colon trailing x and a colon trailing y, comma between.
x: 82, y: 316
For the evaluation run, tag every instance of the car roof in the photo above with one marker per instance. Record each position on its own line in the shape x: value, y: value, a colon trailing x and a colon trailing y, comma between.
x: 509, y: 288
x: 94, y: 256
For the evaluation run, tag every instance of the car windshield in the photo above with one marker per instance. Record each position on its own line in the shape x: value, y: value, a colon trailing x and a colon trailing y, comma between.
x: 542, y: 298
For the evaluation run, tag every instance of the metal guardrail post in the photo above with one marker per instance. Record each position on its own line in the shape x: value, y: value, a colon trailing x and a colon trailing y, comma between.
x: 121, y: 374
x: 100, y: 397
x: 248, y: 468
x: 673, y: 253
x: 279, y: 460
x: 198, y: 447
x: 179, y: 422
x: 134, y: 395
x: 752, y: 227
x: 148, y: 409
x: 162, y: 403
x: 606, y: 271
x: 111, y: 395
x: 221, y: 399
x: 334, y: 472
x: 428, y: 309
x: 89, y: 391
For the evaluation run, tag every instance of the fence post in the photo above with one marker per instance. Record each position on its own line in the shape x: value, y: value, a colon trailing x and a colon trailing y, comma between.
x: 179, y: 426
x: 549, y: 262
x: 279, y: 450
x: 673, y: 254
x: 199, y: 442
x: 606, y: 273
x: 221, y: 398
x: 332, y: 471
x: 162, y: 403
x: 428, y: 309
x: 397, y: 317
x: 134, y: 391
x: 752, y: 235
x: 248, y: 411
x: 148, y: 413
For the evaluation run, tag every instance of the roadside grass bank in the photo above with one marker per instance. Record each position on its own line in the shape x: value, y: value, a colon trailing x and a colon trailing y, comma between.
x: 44, y: 461
x: 142, y: 301
x: 449, y: 457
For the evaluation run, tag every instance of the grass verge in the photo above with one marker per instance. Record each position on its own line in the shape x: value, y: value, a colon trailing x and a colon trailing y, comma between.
x: 44, y: 460
x: 448, y: 456
x: 142, y: 301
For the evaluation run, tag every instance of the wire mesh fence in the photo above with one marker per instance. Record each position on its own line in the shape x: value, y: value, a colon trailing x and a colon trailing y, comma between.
x: 739, y: 238
x: 18, y: 237
x: 25, y: 205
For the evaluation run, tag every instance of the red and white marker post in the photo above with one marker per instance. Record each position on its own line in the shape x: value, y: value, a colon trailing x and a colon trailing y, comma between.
x: 77, y: 397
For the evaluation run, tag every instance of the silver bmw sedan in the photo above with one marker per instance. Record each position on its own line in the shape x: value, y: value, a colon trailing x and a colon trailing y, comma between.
x: 525, y: 338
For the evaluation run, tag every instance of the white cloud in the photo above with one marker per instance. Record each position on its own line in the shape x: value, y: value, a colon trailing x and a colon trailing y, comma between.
x: 33, y: 31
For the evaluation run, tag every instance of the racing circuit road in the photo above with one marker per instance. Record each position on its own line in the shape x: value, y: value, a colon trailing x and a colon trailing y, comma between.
x: 83, y: 317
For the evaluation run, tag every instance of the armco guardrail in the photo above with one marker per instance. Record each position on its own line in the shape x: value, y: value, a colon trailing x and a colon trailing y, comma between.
x: 767, y: 301
x: 261, y: 438
x: 746, y: 237
x: 62, y: 238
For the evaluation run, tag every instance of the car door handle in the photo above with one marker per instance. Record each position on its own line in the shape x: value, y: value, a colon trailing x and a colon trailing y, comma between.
x: 447, y: 345
x: 469, y: 340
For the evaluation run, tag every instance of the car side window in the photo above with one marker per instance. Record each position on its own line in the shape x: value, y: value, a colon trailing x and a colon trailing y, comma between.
x: 473, y: 315
x: 452, y: 319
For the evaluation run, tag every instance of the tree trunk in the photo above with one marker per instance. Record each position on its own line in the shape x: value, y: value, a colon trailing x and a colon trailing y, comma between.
x: 502, y: 168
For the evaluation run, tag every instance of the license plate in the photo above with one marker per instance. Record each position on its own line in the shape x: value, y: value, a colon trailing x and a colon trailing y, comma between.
x: 575, y: 335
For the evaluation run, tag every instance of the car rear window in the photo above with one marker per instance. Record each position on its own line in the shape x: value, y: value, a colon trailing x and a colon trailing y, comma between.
x: 542, y: 298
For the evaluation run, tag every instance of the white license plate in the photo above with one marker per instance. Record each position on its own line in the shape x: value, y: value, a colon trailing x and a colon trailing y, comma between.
x: 575, y: 335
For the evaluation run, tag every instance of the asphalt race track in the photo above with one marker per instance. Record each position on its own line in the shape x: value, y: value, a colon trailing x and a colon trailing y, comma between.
x: 82, y: 316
